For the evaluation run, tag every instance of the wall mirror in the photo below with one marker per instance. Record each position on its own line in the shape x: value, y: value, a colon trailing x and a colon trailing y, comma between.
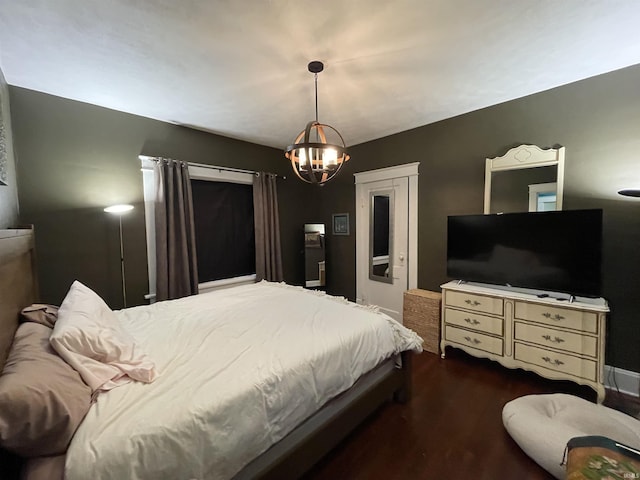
x: 314, y: 255
x: 381, y: 236
x: 526, y: 178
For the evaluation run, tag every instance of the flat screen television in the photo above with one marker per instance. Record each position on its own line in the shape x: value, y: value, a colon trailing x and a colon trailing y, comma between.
x: 557, y: 251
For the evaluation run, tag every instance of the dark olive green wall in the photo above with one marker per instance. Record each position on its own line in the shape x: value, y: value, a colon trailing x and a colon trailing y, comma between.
x: 597, y: 120
x: 74, y: 159
x: 9, y: 192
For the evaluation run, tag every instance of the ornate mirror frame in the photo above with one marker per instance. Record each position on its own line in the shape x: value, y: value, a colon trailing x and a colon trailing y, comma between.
x: 521, y: 157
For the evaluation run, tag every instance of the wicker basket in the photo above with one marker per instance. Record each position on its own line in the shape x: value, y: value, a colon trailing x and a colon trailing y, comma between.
x: 421, y: 313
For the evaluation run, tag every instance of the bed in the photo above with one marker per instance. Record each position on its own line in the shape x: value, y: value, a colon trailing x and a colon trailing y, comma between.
x: 225, y: 403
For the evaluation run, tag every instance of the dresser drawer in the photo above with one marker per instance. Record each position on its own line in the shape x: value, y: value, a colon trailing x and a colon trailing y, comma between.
x: 560, y: 339
x: 559, y: 362
x: 475, y: 321
x: 478, y: 303
x: 558, y: 317
x: 475, y: 340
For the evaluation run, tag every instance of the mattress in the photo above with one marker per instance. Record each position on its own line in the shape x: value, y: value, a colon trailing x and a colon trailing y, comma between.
x: 239, y: 369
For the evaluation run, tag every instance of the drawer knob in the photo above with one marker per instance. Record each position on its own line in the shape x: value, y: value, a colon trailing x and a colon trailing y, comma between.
x: 554, y: 361
x: 551, y: 339
x: 556, y: 317
x: 475, y: 303
x: 472, y: 321
x: 473, y: 341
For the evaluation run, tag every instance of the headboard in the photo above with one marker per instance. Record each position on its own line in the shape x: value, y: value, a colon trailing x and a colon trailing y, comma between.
x: 18, y: 282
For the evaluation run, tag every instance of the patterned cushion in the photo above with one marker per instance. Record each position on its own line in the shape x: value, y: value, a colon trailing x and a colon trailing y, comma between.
x: 543, y: 425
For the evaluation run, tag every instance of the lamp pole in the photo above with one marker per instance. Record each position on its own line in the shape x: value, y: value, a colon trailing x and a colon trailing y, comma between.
x: 124, y: 283
x: 121, y: 210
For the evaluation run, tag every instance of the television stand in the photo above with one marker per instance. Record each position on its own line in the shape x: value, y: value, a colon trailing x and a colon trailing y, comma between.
x: 557, y: 336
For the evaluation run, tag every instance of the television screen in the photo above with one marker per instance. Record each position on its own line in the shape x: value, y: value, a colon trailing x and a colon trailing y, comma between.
x: 558, y: 251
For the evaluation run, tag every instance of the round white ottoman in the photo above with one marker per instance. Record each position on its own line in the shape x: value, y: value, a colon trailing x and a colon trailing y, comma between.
x: 543, y: 424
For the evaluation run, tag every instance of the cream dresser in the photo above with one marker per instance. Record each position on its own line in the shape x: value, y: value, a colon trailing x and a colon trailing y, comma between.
x: 521, y: 328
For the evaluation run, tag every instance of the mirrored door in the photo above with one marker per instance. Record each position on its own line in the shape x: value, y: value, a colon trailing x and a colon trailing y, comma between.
x: 382, y: 245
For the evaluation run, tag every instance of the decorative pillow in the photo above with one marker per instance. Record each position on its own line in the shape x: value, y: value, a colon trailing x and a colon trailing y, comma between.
x: 90, y: 338
x: 40, y: 313
x: 42, y: 399
x: 44, y: 468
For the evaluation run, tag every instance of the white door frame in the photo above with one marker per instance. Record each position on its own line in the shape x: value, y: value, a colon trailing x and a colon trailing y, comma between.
x: 409, y: 170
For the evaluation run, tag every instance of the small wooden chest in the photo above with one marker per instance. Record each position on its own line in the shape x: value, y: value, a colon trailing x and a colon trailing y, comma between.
x: 421, y: 313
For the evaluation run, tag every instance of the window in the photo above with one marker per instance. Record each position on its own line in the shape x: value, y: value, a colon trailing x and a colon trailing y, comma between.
x: 225, y: 240
x: 241, y: 207
x: 543, y: 197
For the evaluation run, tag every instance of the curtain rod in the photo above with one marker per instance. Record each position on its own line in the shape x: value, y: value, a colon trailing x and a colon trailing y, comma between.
x: 226, y: 169
x: 213, y: 167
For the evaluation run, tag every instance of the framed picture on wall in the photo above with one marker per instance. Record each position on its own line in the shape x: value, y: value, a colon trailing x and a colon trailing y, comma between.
x: 340, y: 224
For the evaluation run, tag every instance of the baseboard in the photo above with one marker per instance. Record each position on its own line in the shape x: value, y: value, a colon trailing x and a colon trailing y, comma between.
x: 625, y: 381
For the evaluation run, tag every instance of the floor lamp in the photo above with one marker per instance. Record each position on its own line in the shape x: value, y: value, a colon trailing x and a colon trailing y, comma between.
x: 120, y: 210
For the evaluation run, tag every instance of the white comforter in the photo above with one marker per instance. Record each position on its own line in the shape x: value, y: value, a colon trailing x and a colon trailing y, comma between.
x: 238, y: 370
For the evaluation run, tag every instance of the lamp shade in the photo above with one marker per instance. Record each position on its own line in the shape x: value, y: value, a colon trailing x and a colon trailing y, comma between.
x: 630, y: 192
x: 119, y: 209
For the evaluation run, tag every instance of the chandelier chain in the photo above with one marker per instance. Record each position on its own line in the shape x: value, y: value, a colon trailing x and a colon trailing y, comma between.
x: 316, y: 84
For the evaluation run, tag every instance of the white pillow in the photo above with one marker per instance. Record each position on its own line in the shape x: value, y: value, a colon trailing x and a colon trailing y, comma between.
x: 89, y: 337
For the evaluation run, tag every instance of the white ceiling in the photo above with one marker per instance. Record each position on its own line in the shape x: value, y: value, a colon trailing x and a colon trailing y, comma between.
x: 239, y: 67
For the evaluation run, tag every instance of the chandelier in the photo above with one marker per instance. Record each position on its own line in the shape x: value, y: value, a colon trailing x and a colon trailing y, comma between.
x: 318, y: 152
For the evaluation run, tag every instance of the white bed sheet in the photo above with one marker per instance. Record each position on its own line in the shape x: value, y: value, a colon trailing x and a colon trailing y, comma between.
x: 238, y: 370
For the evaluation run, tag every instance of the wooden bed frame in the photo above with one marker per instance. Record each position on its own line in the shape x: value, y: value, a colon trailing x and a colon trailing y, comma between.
x: 305, y: 445
x: 18, y: 288
x: 18, y: 285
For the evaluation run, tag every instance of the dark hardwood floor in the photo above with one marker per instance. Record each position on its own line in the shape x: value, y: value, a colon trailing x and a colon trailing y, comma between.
x: 451, y: 429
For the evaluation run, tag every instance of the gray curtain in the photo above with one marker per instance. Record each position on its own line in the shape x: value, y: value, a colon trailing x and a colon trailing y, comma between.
x: 267, y: 226
x: 176, y: 266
